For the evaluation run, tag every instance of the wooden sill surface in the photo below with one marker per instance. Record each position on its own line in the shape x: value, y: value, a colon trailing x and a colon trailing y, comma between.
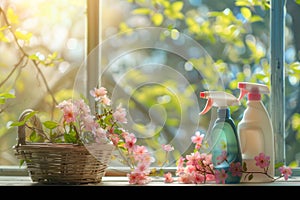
x: 18, y: 176
x: 123, y: 181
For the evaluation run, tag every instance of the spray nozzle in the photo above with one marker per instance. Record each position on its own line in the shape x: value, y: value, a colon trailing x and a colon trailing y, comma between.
x: 254, y: 90
x: 218, y: 99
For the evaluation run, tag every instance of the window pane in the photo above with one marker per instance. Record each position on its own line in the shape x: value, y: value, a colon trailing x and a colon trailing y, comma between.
x: 158, y: 55
x: 233, y: 36
x: 292, y: 77
x: 43, y: 28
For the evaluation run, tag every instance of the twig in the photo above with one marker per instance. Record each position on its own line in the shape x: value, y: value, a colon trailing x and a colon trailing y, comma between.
x: 23, y: 56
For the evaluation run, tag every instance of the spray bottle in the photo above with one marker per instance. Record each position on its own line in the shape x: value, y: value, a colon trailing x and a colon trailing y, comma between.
x: 225, y: 149
x: 256, y: 136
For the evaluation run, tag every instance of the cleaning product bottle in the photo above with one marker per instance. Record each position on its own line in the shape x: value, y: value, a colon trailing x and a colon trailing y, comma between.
x: 256, y: 135
x: 225, y: 149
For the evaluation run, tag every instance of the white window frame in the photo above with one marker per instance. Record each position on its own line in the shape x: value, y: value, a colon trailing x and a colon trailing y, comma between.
x: 277, y: 24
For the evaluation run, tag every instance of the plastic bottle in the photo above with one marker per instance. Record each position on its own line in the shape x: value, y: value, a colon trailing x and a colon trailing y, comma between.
x: 223, y: 136
x: 255, y: 133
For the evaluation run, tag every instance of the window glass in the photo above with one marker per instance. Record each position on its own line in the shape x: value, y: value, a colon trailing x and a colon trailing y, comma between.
x: 53, y: 34
x: 156, y: 56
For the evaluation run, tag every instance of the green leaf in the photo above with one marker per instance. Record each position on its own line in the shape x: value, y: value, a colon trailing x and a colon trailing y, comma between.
x: 108, y: 119
x: 53, y: 56
x: 260, y: 76
x: 23, y: 36
x: 296, y: 121
x: 293, y: 164
x: 244, y: 166
x: 295, y: 66
x: 3, y: 38
x: 242, y: 3
x: 26, y: 118
x: 125, y: 29
x: 34, y: 57
x: 256, y: 19
x: 17, y: 123
x: 2, y: 28
x: 250, y: 177
x: 34, y: 137
x: 277, y: 165
x: 22, y: 161
x: 157, y: 19
x: 173, y: 11
x: 142, y: 11
x: 161, y: 172
x: 50, y: 124
x: 297, y: 1
x: 246, y: 13
x: 71, y: 137
x: 68, y: 138
x: 118, y: 131
x: 5, y: 96
x: 177, y: 6
x: 12, y: 17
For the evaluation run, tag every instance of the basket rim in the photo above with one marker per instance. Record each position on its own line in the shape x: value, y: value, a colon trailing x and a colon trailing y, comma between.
x: 64, y: 146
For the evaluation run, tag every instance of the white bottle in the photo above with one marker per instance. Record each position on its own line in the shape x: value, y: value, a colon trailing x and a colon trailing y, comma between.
x: 255, y: 133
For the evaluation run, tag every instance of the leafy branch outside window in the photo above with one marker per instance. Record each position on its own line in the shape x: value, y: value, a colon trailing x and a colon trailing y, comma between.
x: 9, y: 33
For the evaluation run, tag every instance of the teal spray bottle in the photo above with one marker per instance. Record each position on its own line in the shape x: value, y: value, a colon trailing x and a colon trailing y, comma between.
x: 256, y: 135
x: 224, y: 142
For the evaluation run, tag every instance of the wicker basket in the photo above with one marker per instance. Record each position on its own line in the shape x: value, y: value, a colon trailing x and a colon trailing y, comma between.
x: 63, y: 163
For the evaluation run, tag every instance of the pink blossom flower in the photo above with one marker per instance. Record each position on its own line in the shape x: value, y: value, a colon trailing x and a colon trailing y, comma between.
x: 197, y: 138
x: 63, y: 104
x: 198, y: 146
x: 114, y: 138
x: 138, y: 178
x: 180, y: 167
x: 120, y: 115
x: 89, y: 123
x: 124, y: 134
x: 210, y: 177
x: 185, y: 178
x: 147, y: 158
x: 235, y: 169
x: 82, y: 106
x: 206, y: 159
x: 168, y: 177
x: 98, y: 93
x: 220, y: 176
x: 222, y: 157
x: 262, y: 160
x: 139, y: 152
x: 130, y: 141
x: 180, y: 161
x: 167, y: 147
x: 198, y: 178
x: 285, y: 171
x: 69, y: 114
x: 179, y: 171
x: 106, y: 101
x: 190, y: 169
x: 142, y: 167
x: 193, y: 158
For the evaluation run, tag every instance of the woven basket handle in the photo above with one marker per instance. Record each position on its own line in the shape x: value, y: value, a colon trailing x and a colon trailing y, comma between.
x: 36, y: 123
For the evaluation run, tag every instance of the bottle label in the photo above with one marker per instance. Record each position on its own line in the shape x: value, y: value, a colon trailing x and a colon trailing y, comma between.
x: 252, y: 142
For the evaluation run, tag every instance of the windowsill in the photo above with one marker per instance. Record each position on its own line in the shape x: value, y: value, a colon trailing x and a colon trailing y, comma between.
x: 123, y: 181
x: 18, y: 176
